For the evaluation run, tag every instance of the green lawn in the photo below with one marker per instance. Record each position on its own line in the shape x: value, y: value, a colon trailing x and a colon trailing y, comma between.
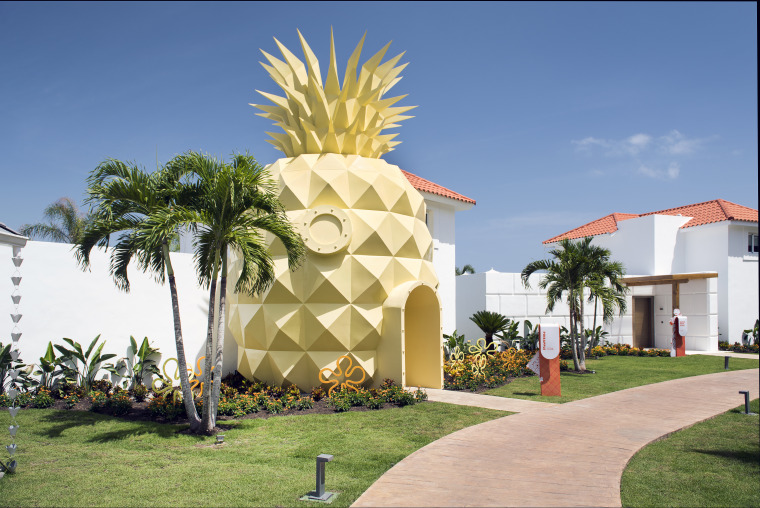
x: 615, y: 373
x: 71, y: 458
x: 713, y: 463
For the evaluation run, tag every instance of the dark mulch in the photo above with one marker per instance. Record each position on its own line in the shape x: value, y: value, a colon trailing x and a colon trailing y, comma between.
x: 140, y: 412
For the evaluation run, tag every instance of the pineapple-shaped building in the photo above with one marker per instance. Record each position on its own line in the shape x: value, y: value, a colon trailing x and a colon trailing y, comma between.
x: 367, y: 289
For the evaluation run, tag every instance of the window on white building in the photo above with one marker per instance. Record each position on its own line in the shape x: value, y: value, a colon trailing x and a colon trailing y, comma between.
x: 752, y: 243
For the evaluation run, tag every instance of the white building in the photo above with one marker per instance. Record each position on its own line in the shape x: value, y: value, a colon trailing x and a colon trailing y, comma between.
x: 60, y: 300
x: 702, y: 258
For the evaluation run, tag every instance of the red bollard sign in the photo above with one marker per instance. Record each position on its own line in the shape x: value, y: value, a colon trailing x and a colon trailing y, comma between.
x: 548, y: 336
x: 680, y: 327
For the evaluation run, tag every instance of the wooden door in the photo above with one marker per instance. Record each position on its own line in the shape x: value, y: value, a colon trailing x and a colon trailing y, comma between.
x: 643, y: 321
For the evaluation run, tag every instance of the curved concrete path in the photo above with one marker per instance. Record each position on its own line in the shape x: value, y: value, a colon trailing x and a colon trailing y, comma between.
x: 569, y: 454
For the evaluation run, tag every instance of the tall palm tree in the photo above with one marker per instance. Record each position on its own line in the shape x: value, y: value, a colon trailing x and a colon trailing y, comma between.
x: 490, y: 323
x: 234, y: 206
x: 142, y: 212
x: 65, y: 223
x: 575, y: 267
x: 564, y: 274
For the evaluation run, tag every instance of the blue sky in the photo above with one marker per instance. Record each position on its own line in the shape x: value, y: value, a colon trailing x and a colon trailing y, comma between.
x: 549, y: 115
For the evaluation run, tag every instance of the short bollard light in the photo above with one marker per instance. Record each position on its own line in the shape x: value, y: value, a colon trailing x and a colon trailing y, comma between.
x: 320, y: 494
x: 746, y: 401
x: 725, y: 362
x: 220, y: 439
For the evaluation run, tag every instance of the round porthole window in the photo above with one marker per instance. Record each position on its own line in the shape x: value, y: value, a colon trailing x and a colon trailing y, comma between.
x: 326, y: 229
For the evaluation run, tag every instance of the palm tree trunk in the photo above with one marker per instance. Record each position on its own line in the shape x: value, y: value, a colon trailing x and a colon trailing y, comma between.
x: 216, y: 387
x: 594, y: 338
x: 184, y: 381
x: 582, y: 348
x: 208, y: 423
x: 573, y: 337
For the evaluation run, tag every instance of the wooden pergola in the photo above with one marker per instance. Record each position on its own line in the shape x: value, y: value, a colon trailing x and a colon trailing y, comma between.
x: 675, y: 280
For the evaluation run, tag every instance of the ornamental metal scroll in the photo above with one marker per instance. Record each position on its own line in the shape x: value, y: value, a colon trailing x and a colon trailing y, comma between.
x: 347, y: 383
x: 193, y: 376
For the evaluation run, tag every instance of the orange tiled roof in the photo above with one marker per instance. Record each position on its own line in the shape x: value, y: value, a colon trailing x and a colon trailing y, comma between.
x: 423, y: 185
x: 708, y: 212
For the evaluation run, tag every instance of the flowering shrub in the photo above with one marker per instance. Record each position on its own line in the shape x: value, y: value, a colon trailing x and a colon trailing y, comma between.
x: 42, y: 399
x: 119, y: 403
x: 166, y: 407
x: 98, y: 400
x: 471, y: 371
x: 739, y: 348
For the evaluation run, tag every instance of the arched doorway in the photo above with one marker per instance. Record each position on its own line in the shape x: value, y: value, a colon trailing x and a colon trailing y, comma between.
x: 412, y: 349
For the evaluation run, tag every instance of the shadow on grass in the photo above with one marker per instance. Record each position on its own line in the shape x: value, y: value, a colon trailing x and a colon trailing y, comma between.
x: 748, y: 457
x: 64, y: 420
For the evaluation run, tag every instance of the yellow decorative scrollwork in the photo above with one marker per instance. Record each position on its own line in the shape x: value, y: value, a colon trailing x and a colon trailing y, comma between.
x: 457, y: 356
x: 479, y: 364
x: 338, y: 372
x: 167, y: 383
x: 480, y: 348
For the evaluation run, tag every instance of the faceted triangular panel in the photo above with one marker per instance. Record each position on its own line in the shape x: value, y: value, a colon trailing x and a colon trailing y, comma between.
x: 267, y: 370
x: 254, y: 329
x: 366, y: 327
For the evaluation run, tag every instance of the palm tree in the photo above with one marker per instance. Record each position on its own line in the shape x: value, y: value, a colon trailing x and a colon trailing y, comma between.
x: 234, y: 206
x: 576, y: 266
x: 464, y: 269
x: 605, y: 286
x: 143, y: 212
x: 564, y: 274
x: 490, y: 323
x: 64, y: 223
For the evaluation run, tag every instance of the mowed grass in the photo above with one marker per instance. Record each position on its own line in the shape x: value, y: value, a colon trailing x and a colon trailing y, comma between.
x: 713, y: 463
x: 615, y: 373
x: 83, y: 459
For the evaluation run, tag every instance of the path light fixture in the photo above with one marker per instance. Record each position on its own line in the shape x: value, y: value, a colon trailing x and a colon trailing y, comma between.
x: 746, y: 401
x: 319, y: 494
x: 219, y: 438
x: 725, y: 362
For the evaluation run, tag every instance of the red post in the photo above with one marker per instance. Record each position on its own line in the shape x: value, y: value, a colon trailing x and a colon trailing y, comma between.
x: 548, y: 336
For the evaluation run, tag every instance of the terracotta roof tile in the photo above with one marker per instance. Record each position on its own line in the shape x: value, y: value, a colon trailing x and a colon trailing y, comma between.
x: 717, y: 210
x: 423, y: 185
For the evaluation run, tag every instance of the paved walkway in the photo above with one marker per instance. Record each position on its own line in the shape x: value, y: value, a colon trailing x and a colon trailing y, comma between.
x: 569, y: 454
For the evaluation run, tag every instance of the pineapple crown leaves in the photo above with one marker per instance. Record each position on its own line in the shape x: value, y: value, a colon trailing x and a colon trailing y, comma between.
x: 326, y: 117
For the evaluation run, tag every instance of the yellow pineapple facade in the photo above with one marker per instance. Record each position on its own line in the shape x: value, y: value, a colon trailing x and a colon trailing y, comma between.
x: 367, y: 289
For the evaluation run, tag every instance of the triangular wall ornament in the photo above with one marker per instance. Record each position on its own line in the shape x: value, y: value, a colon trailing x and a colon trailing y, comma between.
x: 16, y: 336
x: 16, y: 317
x: 16, y: 281
x: 14, y: 355
x: 18, y: 260
x: 16, y: 299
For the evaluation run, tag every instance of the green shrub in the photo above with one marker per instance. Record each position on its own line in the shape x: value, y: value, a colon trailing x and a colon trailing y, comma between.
x: 166, y: 408
x: 119, y: 404
x: 102, y: 385
x: 420, y: 395
x: 305, y: 403
x: 339, y: 401
x: 139, y: 392
x: 98, y: 399
x: 274, y: 406
x: 374, y: 403
x: 317, y: 393
x: 406, y: 399
x: 42, y: 399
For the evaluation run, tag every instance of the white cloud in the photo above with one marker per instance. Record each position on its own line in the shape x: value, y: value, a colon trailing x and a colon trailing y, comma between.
x: 671, y: 173
x: 638, y: 142
x: 675, y: 143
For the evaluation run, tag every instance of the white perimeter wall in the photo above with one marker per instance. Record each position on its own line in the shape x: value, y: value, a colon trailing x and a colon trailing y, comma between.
x: 504, y: 293
x: 60, y: 300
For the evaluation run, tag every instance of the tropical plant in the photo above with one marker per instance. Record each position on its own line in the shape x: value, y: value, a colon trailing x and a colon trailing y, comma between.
x: 138, y: 363
x: 510, y: 336
x: 464, y: 269
x: 530, y: 337
x: 47, y: 368
x: 233, y: 205
x: 489, y: 323
x: 453, y: 341
x: 144, y: 211
x: 575, y: 267
x: 594, y: 337
x: 83, y: 365
x: 13, y: 373
x: 752, y: 332
x: 65, y: 223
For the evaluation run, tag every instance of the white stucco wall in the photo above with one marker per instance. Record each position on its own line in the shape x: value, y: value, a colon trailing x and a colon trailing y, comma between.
x: 60, y: 300
x: 504, y: 293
